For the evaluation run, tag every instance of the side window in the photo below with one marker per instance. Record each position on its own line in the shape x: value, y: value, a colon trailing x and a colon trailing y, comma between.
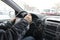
x: 5, y: 7
x: 6, y: 10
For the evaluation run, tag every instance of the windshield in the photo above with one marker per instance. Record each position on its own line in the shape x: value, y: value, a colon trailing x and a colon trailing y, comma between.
x: 49, y: 7
x: 45, y: 7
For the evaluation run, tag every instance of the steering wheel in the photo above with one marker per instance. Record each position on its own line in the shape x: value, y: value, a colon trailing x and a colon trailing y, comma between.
x: 21, y: 14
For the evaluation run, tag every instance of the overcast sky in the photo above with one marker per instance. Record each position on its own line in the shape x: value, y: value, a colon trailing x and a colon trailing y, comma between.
x: 42, y: 4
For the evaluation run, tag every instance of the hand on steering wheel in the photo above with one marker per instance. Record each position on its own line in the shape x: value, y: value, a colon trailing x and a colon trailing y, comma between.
x: 28, y: 17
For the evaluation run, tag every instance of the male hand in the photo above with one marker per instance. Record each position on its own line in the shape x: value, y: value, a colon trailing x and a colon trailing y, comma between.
x: 28, y: 17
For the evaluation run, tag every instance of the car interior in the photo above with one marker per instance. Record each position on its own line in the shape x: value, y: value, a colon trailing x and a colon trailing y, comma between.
x: 43, y: 27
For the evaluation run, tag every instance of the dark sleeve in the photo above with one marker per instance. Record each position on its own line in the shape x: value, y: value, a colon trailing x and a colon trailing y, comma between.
x: 17, y: 31
x: 21, y: 27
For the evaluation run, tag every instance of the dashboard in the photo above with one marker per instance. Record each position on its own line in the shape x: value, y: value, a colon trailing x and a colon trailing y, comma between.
x: 46, y: 26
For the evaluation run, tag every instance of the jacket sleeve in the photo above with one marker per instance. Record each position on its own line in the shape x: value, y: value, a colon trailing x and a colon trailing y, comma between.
x: 20, y: 27
x: 16, y: 32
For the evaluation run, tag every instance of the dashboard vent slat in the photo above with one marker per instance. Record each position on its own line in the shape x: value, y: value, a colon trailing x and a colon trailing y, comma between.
x: 54, y: 21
